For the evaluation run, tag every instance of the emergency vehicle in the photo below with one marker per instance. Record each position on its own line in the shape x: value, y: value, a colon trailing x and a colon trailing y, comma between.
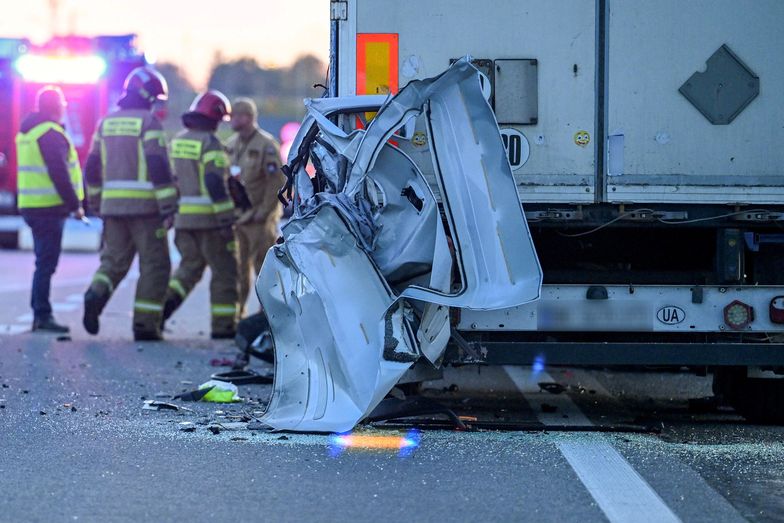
x: 89, y: 70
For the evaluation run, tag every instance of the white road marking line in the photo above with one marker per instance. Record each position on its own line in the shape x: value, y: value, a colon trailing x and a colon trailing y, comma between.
x: 56, y: 283
x: 65, y: 307
x: 75, y: 298
x: 621, y: 493
x: 12, y: 329
x: 56, y: 307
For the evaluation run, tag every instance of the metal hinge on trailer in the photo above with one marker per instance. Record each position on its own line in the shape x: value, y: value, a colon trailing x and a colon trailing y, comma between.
x: 338, y: 10
x: 555, y: 215
x: 647, y: 215
x: 759, y: 216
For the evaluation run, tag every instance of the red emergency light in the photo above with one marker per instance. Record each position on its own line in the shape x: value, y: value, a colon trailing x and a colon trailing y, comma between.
x: 60, y: 69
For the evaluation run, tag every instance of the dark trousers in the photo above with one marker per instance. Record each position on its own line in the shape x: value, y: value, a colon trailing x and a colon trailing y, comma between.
x: 47, y: 244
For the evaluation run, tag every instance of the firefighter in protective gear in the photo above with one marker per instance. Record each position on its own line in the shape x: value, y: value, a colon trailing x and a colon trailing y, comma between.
x: 204, y: 232
x: 50, y: 187
x: 255, y: 161
x: 129, y: 182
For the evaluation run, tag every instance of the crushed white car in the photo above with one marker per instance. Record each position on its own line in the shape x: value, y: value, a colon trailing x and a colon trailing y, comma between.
x: 361, y: 286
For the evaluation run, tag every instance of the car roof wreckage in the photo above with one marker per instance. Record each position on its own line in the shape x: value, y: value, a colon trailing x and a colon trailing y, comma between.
x: 361, y: 286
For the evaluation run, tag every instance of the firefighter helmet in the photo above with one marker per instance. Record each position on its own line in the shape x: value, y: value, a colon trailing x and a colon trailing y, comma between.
x: 148, y: 83
x: 212, y: 104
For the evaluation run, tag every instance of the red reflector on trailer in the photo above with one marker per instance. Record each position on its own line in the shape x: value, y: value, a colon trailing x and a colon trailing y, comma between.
x: 776, y: 309
x: 738, y: 315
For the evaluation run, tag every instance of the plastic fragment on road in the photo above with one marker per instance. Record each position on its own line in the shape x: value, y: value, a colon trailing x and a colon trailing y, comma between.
x: 213, y: 391
x: 160, y: 405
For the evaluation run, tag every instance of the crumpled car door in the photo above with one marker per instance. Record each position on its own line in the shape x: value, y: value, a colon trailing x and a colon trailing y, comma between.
x: 340, y: 342
x: 495, y: 254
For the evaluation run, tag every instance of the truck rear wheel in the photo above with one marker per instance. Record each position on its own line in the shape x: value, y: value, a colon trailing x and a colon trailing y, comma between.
x: 759, y: 400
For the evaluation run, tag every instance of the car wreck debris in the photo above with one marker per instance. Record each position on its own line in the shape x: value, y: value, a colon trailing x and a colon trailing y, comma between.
x: 371, y: 262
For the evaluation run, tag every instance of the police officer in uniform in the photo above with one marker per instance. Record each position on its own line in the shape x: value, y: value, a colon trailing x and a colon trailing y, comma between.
x: 129, y: 182
x: 255, y: 161
x: 203, y: 226
x: 50, y: 187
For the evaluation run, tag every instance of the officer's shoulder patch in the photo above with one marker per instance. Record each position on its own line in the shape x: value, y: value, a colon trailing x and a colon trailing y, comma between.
x: 272, y: 167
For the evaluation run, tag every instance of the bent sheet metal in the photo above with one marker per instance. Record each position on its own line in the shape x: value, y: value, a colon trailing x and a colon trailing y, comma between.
x: 361, y: 287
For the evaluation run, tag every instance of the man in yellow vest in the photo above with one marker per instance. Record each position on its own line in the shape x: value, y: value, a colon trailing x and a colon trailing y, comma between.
x: 50, y: 188
x: 255, y: 161
x: 203, y: 227
x: 129, y: 182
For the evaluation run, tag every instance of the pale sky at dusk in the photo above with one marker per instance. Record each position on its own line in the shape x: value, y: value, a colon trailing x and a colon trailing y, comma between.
x: 186, y: 32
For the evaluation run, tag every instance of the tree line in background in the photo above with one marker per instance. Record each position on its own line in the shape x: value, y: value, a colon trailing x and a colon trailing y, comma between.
x: 277, y: 91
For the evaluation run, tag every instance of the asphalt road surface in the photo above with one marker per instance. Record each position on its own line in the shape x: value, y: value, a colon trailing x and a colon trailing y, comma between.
x: 593, y: 445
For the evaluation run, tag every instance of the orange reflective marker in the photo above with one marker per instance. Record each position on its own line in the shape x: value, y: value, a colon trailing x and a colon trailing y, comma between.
x: 377, y: 64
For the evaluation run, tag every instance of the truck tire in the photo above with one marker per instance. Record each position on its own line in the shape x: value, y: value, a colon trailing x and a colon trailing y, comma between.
x: 756, y: 399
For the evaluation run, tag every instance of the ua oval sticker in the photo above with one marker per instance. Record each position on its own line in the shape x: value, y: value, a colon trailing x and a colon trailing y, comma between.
x: 671, y: 315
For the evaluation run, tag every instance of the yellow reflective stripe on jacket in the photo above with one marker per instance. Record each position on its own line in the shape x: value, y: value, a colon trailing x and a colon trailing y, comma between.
x: 121, y: 126
x: 195, y: 205
x: 166, y: 192
x: 101, y: 277
x: 223, y: 206
x: 153, y: 135
x: 224, y: 309
x: 131, y: 189
x: 35, y: 187
x: 127, y: 194
x: 184, y: 149
x: 147, y: 306
x: 219, y: 158
x: 157, y: 135
x: 177, y: 287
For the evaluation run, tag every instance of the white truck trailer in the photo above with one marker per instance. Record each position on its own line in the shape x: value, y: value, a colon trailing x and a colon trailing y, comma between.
x: 646, y: 141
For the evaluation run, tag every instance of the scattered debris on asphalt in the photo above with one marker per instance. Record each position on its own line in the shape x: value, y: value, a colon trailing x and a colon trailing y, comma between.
x: 243, y: 377
x: 552, y: 387
x: 159, y: 405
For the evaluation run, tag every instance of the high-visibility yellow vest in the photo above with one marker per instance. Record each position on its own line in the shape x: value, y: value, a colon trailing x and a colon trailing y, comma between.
x: 35, y: 186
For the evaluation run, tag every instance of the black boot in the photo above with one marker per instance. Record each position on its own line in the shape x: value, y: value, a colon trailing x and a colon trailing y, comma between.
x: 47, y: 324
x: 171, y: 303
x: 93, y: 305
x: 147, y: 335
